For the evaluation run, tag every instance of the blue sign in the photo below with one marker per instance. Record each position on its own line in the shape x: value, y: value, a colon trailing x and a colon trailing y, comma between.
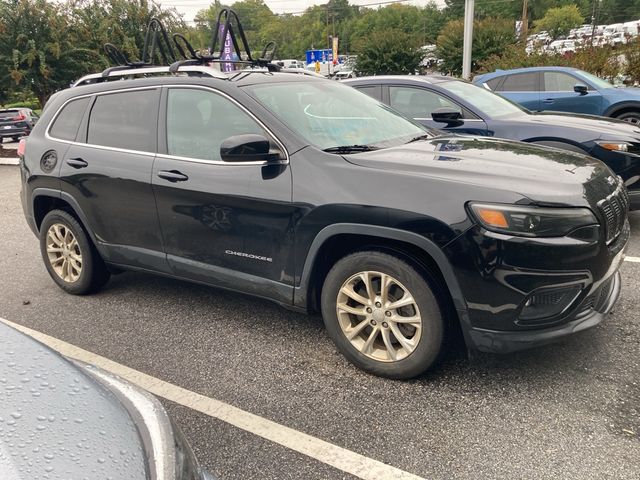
x: 322, y: 56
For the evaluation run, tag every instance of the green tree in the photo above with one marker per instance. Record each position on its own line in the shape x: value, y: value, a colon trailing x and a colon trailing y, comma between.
x: 559, y: 20
x: 38, y: 51
x: 388, y: 52
x: 490, y: 37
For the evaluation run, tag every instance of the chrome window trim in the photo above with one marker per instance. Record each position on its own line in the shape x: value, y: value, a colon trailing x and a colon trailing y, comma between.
x: 161, y: 155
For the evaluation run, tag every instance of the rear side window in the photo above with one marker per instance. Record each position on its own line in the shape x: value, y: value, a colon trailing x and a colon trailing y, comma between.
x: 66, y: 124
x: 198, y: 121
x: 373, y: 91
x: 125, y: 120
x: 520, y: 82
x: 493, y: 83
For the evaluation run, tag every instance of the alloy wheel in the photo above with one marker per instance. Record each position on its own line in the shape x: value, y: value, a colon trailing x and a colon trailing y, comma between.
x: 379, y: 316
x: 64, y: 252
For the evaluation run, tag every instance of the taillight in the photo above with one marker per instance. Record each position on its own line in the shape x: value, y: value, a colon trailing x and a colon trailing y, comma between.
x: 21, y: 116
x: 22, y: 146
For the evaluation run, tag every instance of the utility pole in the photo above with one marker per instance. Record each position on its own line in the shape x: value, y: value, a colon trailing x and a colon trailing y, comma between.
x: 468, y: 39
x: 525, y: 21
x: 594, y: 18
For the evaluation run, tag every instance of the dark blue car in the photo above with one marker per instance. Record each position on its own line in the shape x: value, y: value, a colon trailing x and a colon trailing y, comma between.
x: 564, y: 89
x: 450, y: 104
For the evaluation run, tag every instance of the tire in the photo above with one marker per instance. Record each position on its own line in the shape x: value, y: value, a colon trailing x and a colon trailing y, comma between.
x: 70, y: 257
x: 632, y: 117
x: 386, y: 355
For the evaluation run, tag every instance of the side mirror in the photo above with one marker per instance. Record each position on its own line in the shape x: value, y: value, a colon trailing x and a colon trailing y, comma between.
x: 581, y: 89
x: 448, y: 115
x: 247, y: 148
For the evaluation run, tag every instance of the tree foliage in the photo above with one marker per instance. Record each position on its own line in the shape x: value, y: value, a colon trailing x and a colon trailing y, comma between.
x: 560, y: 20
x: 490, y: 37
x: 389, y: 52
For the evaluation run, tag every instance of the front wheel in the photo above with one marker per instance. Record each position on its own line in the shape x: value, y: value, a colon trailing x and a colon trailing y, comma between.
x: 632, y: 117
x: 382, y: 315
x: 69, y: 256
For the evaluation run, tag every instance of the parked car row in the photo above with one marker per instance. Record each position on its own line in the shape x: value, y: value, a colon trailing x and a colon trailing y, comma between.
x: 596, y: 35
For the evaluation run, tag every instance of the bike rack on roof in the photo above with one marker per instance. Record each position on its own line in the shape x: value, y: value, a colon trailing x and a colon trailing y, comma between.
x: 157, y: 41
x: 231, y: 28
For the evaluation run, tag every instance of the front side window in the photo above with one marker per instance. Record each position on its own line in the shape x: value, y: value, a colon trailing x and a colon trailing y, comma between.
x: 198, y: 121
x: 329, y: 114
x: 418, y: 102
x: 559, y: 82
x: 66, y: 124
x: 520, y: 82
x: 125, y: 120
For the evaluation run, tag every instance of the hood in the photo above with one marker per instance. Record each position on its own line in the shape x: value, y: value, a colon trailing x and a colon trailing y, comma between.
x: 628, y: 92
x: 59, y: 422
x: 546, y: 176
x: 600, y: 127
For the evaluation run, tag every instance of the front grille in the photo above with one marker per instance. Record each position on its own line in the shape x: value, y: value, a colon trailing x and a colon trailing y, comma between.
x: 597, y: 300
x: 614, y: 208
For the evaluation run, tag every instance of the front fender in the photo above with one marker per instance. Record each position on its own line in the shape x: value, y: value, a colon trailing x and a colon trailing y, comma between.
x: 429, y: 247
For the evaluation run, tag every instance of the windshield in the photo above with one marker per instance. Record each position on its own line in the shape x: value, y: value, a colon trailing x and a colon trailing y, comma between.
x: 483, y: 100
x: 328, y: 114
x: 595, y: 81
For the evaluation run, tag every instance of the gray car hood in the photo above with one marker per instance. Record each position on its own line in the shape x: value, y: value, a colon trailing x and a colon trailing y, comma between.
x: 56, y: 422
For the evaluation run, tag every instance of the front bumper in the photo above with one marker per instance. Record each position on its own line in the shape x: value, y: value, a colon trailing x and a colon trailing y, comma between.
x: 496, y: 341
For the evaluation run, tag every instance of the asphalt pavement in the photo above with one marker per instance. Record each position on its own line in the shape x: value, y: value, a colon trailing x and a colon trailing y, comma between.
x: 569, y: 410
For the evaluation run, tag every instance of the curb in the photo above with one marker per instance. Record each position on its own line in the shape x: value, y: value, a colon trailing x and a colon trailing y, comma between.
x: 9, y: 161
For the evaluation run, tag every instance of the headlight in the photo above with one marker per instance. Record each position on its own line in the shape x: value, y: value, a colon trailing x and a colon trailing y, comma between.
x: 614, y: 146
x: 531, y: 221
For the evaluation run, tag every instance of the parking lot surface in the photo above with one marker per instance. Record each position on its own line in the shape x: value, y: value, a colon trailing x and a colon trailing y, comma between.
x: 569, y: 410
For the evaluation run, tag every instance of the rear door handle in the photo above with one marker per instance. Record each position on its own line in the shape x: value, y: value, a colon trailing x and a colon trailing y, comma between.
x: 172, y: 175
x: 77, y: 163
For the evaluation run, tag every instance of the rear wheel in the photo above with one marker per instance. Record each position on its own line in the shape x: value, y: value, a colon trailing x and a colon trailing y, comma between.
x: 632, y: 117
x: 382, y: 315
x: 69, y: 256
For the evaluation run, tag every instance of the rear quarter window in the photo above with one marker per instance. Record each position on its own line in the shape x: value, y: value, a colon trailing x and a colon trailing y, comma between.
x: 126, y: 120
x: 65, y: 125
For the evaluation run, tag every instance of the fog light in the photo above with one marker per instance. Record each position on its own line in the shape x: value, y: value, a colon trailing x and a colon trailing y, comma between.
x: 549, y: 302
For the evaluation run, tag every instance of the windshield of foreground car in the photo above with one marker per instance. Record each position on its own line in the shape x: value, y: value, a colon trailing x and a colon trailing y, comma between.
x: 328, y: 115
x: 595, y: 81
x: 483, y: 100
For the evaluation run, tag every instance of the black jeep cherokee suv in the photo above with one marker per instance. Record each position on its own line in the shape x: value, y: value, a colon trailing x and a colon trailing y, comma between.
x: 316, y: 196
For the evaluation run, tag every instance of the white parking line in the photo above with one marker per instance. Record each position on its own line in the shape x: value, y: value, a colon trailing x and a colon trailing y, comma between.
x: 325, y: 452
x: 632, y: 259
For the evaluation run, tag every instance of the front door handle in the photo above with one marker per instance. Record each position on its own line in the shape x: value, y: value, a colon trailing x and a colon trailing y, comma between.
x: 172, y: 175
x: 77, y: 162
x: 548, y: 100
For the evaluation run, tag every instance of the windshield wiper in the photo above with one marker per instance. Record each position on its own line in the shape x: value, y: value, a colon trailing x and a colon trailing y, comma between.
x: 350, y: 149
x: 426, y: 136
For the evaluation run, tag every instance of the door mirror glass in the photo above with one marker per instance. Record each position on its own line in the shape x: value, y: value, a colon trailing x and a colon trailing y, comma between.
x: 448, y: 115
x: 581, y: 89
x: 247, y: 148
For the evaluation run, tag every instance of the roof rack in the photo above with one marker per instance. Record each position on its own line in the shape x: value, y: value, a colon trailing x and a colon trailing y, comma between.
x: 157, y: 43
x: 191, y: 70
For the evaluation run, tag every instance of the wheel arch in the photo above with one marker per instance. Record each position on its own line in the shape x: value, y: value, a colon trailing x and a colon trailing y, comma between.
x: 45, y: 200
x: 621, y: 107
x: 338, y: 240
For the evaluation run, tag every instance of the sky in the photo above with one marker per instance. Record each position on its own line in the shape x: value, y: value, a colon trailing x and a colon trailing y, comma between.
x: 189, y: 8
